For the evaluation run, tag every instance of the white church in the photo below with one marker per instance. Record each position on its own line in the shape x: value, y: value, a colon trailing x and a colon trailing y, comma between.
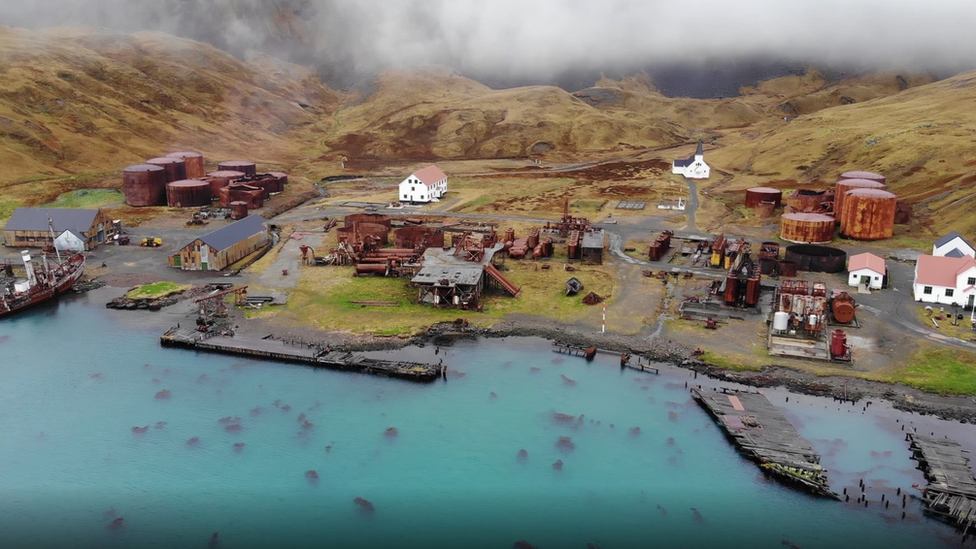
x: 426, y: 185
x: 694, y: 167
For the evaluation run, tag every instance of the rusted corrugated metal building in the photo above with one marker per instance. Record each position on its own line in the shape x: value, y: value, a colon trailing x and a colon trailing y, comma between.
x: 218, y: 250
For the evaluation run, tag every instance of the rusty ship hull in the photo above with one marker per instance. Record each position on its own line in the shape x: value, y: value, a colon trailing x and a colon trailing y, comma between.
x: 56, y: 282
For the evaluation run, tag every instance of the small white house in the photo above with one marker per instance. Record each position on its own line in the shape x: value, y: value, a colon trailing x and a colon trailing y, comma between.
x: 69, y: 241
x: 694, y: 167
x: 946, y: 280
x: 866, y: 270
x: 953, y: 245
x: 426, y: 185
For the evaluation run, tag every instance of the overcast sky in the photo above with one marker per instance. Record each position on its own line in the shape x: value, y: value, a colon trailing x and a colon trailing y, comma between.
x: 538, y: 37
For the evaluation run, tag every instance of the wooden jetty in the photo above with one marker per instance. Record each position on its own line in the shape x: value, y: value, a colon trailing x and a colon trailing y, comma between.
x: 589, y: 353
x: 764, y: 434
x: 311, y: 354
x: 951, y: 492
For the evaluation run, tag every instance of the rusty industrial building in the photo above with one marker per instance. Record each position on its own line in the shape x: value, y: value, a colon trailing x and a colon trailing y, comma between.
x: 219, y: 249
x: 459, y: 276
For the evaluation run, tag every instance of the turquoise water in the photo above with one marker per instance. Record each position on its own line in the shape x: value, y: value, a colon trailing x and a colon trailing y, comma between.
x: 70, y: 462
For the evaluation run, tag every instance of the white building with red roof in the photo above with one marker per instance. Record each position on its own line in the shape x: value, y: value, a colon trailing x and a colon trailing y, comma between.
x: 946, y: 280
x: 423, y: 186
x: 867, y: 270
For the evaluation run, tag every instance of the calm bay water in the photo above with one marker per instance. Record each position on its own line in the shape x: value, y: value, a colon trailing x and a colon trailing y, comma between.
x: 70, y: 462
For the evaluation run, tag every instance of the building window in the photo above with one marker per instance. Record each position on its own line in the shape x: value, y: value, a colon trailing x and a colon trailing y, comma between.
x: 972, y: 281
x: 405, y: 197
x: 927, y: 290
x: 949, y: 292
x: 412, y: 189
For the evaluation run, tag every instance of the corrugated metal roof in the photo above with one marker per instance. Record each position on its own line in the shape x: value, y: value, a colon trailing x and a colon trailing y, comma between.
x: 941, y: 271
x: 949, y: 238
x: 225, y: 237
x: 35, y: 219
x: 866, y: 261
x: 593, y: 239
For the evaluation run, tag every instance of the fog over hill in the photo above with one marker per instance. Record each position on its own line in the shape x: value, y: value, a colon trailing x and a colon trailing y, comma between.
x: 691, y: 47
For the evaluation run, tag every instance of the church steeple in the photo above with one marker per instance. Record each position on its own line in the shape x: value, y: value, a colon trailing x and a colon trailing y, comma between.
x: 699, y: 152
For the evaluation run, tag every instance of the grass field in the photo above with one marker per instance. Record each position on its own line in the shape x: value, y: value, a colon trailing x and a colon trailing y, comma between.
x: 157, y: 290
x: 940, y: 370
x: 85, y: 198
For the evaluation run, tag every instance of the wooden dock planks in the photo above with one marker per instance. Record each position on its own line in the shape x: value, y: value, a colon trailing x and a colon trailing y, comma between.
x: 951, y: 492
x: 764, y: 434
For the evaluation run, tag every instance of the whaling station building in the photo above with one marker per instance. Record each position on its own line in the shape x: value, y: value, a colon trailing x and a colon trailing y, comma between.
x: 426, y: 185
x: 224, y: 247
x: 74, y: 230
x: 948, y: 276
x: 693, y: 167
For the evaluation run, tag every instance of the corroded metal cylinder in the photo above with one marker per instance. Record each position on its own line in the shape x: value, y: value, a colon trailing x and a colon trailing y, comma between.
x: 238, y: 210
x: 175, y: 167
x: 845, y: 185
x: 144, y: 185
x: 757, y: 195
x: 807, y: 228
x: 194, y: 163
x: 188, y: 193
x: 249, y: 168
x: 220, y: 179
x: 859, y: 174
x: 282, y: 180
x: 381, y: 219
x: 869, y: 214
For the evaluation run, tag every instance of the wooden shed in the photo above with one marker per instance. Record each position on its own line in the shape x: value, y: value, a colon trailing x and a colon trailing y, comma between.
x: 593, y: 243
x: 221, y: 248
x: 32, y: 227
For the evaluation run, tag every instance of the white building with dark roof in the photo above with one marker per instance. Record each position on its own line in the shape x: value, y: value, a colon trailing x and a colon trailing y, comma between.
x: 693, y: 167
x: 423, y: 186
x: 953, y: 245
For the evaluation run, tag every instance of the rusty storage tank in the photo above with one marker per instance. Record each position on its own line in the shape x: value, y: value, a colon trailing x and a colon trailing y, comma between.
x: 368, y: 218
x: 374, y: 229
x: 788, y: 268
x: 807, y: 228
x: 869, y: 214
x: 765, y: 210
x: 282, y: 180
x: 238, y: 209
x: 752, y: 291
x: 265, y: 182
x: 731, y: 290
x: 509, y: 235
x: 838, y: 344
x: 220, y: 179
x: 188, y: 193
x: 144, y: 185
x: 842, y: 307
x: 806, y: 200
x: 817, y: 259
x: 860, y: 174
x: 175, y: 167
x: 249, y: 168
x: 845, y: 185
x: 193, y: 161
x: 415, y: 237
x: 758, y: 195
x: 243, y: 193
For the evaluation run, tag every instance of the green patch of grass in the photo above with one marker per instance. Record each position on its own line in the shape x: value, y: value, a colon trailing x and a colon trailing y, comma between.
x: 943, y: 371
x: 87, y: 198
x: 157, y: 290
x: 728, y: 362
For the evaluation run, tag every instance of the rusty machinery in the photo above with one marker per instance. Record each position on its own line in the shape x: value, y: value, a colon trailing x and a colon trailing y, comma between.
x: 742, y: 284
x: 213, y: 305
x: 567, y: 223
x: 660, y: 246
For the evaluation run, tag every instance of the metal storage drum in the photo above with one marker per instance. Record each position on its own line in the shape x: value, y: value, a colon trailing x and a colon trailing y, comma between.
x: 757, y: 195
x: 188, y: 193
x: 238, y: 210
x: 807, y: 228
x: 249, y: 168
x: 175, y: 167
x: 781, y: 321
x: 869, y: 214
x: 144, y: 185
x: 193, y: 161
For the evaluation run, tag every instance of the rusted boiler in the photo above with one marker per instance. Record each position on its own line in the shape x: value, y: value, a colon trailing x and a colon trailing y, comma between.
x: 869, y: 214
x: 235, y: 192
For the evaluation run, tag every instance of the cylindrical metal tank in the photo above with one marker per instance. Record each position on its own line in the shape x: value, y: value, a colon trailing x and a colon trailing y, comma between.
x: 807, y: 228
x: 752, y: 291
x: 758, y: 195
x: 842, y: 307
x: 845, y: 185
x: 533, y: 239
x: 509, y: 235
x: 175, y: 167
x: 238, y: 209
x: 765, y: 210
x: 282, y: 180
x: 371, y: 268
x: 415, y: 237
x: 838, y: 343
x: 234, y: 192
x: 788, y: 268
x: 806, y: 200
x: 817, y: 259
x: 249, y: 168
x: 731, y: 290
x: 144, y: 185
x: 220, y: 179
x: 188, y: 193
x: 374, y: 229
x: 368, y: 218
x: 858, y: 174
x: 781, y: 321
x: 194, y: 163
x: 869, y: 214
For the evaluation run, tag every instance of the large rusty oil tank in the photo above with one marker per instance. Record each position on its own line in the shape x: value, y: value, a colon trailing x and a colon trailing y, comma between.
x: 842, y: 306
x: 144, y: 185
x: 175, y: 167
x: 194, y: 163
x: 757, y: 195
x: 807, y: 228
x: 220, y: 179
x: 860, y: 174
x: 845, y: 185
x: 188, y: 193
x: 374, y: 229
x: 807, y: 200
x: 817, y: 259
x: 238, y: 209
x: 869, y: 214
x: 236, y: 192
x: 282, y: 180
x: 249, y: 168
x: 265, y: 182
x: 788, y: 268
x: 415, y: 237
x: 368, y: 218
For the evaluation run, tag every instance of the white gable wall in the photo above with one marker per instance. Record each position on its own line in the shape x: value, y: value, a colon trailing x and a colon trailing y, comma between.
x: 413, y: 190
x: 855, y: 277
x: 696, y: 170
x: 68, y: 242
x: 964, y: 294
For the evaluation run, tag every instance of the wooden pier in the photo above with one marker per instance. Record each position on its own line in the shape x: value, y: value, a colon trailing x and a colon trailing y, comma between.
x: 311, y: 354
x: 764, y: 434
x: 951, y: 492
x: 589, y: 353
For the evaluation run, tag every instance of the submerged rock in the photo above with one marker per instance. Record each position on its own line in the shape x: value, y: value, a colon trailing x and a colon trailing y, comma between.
x: 312, y: 476
x: 140, y: 430
x: 565, y: 444
x: 522, y: 455
x: 365, y: 506
x: 558, y: 466
x: 391, y: 432
x: 195, y: 441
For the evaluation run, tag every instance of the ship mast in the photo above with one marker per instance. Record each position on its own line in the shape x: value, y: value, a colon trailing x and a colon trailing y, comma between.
x: 50, y: 226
